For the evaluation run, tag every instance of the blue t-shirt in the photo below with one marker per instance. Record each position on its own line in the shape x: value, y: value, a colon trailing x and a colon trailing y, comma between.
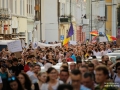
x: 82, y: 87
x: 73, y: 57
x: 4, y: 75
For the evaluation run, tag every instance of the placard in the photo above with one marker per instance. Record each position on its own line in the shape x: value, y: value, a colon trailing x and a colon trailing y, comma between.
x: 43, y: 45
x: 103, y: 39
x: 14, y: 46
x: 73, y: 42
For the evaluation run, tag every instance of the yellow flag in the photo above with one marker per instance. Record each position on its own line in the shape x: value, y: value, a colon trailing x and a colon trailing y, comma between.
x: 66, y: 41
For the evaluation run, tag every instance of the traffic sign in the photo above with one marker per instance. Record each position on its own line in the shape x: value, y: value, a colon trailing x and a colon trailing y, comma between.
x: 61, y: 37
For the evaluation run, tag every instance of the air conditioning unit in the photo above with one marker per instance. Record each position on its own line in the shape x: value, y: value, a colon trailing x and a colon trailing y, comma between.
x: 65, y: 19
x: 85, y: 21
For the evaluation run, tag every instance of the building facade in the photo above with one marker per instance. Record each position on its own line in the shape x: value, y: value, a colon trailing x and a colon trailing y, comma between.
x: 106, y: 9
x: 76, y: 9
x: 22, y: 19
x: 111, y: 17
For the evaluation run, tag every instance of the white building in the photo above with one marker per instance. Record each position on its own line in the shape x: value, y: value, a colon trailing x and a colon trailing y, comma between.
x: 102, y: 8
x: 22, y: 22
x: 49, y: 20
x: 78, y: 10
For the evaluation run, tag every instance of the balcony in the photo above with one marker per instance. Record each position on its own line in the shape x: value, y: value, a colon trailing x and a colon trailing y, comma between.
x: 65, y: 19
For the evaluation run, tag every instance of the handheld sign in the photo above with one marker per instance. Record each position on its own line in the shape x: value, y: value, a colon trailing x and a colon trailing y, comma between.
x: 14, y: 46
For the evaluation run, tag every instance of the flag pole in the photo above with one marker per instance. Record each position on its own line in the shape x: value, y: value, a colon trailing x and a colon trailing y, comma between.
x: 70, y: 13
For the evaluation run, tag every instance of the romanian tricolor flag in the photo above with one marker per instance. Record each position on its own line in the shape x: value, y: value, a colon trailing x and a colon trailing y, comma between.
x: 67, y: 39
x: 95, y: 33
x: 110, y: 38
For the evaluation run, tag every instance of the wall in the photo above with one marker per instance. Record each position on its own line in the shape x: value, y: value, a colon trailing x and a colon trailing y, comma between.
x: 108, y: 17
x: 49, y: 20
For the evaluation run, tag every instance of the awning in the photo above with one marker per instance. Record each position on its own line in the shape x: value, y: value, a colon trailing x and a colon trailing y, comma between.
x: 22, y: 24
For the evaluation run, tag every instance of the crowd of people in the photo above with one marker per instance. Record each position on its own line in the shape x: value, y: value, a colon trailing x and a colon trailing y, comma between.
x: 75, y: 73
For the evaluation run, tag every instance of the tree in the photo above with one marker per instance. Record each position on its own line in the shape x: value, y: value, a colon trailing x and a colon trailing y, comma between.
x: 118, y: 15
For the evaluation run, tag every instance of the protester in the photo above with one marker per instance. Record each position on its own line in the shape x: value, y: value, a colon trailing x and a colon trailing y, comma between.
x: 47, y: 68
x: 65, y: 87
x: 17, y: 68
x: 64, y: 75
x: 116, y: 76
x: 76, y: 78
x: 14, y: 84
x: 51, y: 83
x: 102, y: 76
x: 25, y: 81
x: 33, y: 76
x: 88, y: 80
x: 83, y: 69
x: 42, y: 77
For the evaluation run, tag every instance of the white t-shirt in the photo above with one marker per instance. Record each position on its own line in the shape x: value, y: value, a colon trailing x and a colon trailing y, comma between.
x: 109, y: 50
x: 96, y: 53
x: 103, y: 53
x: 46, y: 85
x: 116, y: 79
x: 0, y: 79
x: 29, y: 73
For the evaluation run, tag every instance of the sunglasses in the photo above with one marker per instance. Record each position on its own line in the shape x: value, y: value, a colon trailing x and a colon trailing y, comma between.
x: 118, y: 68
x: 12, y: 78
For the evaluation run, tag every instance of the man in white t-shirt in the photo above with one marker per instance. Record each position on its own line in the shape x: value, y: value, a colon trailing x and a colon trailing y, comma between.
x: 1, y: 85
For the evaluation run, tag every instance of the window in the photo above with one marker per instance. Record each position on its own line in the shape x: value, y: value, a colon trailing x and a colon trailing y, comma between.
x: 27, y: 7
x: 6, y: 3
x: 11, y: 6
x: 106, y: 11
x: 63, y: 9
x: 21, y: 7
x: 15, y: 6
x: 14, y: 30
x: 68, y: 8
x: 0, y: 3
x: 3, y: 3
x: 31, y: 6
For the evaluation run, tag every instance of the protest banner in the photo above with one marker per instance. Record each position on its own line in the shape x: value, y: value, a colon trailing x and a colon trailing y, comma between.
x: 103, y: 39
x: 14, y: 46
x: 73, y: 42
x: 43, y: 45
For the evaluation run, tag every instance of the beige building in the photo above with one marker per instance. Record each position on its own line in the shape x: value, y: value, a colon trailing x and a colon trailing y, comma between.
x: 22, y: 19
